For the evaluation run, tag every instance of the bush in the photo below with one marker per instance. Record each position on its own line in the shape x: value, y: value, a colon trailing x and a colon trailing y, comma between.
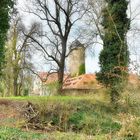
x: 26, y: 92
x: 93, y: 123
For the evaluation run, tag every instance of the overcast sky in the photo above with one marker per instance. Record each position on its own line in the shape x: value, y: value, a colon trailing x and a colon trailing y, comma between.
x: 92, y: 61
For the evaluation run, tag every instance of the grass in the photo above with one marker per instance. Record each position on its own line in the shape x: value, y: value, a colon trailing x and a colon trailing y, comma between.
x: 99, y: 96
x: 87, y: 117
x: 16, y: 134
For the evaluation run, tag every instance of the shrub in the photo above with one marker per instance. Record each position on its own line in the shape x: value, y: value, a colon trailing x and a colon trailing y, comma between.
x: 95, y: 124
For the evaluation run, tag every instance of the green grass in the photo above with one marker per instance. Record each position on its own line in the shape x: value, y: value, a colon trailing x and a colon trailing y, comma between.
x: 17, y: 134
x: 74, y: 136
x: 89, y: 117
x: 100, y: 96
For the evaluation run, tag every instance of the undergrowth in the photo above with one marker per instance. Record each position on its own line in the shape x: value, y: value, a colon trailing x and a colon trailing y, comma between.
x: 93, y: 116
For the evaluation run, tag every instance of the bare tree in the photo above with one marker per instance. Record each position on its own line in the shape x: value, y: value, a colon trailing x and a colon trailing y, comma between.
x: 95, y: 15
x: 58, y: 17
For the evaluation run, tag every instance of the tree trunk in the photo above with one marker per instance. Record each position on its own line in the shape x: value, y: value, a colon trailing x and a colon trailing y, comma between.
x: 114, y: 96
x: 60, y: 81
x: 15, y: 84
x: 62, y: 67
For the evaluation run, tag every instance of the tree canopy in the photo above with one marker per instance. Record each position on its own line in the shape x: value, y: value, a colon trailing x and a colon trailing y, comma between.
x: 5, y: 6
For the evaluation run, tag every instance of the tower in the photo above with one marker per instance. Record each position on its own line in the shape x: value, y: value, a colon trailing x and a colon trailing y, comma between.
x: 76, y: 59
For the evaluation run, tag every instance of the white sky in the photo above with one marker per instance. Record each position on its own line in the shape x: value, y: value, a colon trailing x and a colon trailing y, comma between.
x: 92, y: 61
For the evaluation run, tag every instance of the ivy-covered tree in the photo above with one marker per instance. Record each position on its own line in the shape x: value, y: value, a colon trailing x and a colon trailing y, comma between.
x: 5, y: 6
x: 114, y: 58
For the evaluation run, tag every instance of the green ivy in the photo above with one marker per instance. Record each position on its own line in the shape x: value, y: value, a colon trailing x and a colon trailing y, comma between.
x: 114, y: 58
x: 82, y: 69
x: 5, y: 6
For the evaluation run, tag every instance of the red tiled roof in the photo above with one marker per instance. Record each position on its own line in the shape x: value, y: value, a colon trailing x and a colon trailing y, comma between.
x: 49, y: 78
x: 85, y: 81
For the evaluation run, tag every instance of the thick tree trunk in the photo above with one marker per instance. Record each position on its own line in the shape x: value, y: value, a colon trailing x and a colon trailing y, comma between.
x: 60, y: 80
x: 62, y: 67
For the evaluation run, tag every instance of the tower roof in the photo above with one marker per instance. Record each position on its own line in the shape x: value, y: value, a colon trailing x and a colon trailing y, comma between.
x: 77, y: 44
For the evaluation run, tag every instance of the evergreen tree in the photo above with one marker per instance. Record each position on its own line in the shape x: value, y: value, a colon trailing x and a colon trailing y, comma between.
x: 114, y: 58
x: 5, y: 6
